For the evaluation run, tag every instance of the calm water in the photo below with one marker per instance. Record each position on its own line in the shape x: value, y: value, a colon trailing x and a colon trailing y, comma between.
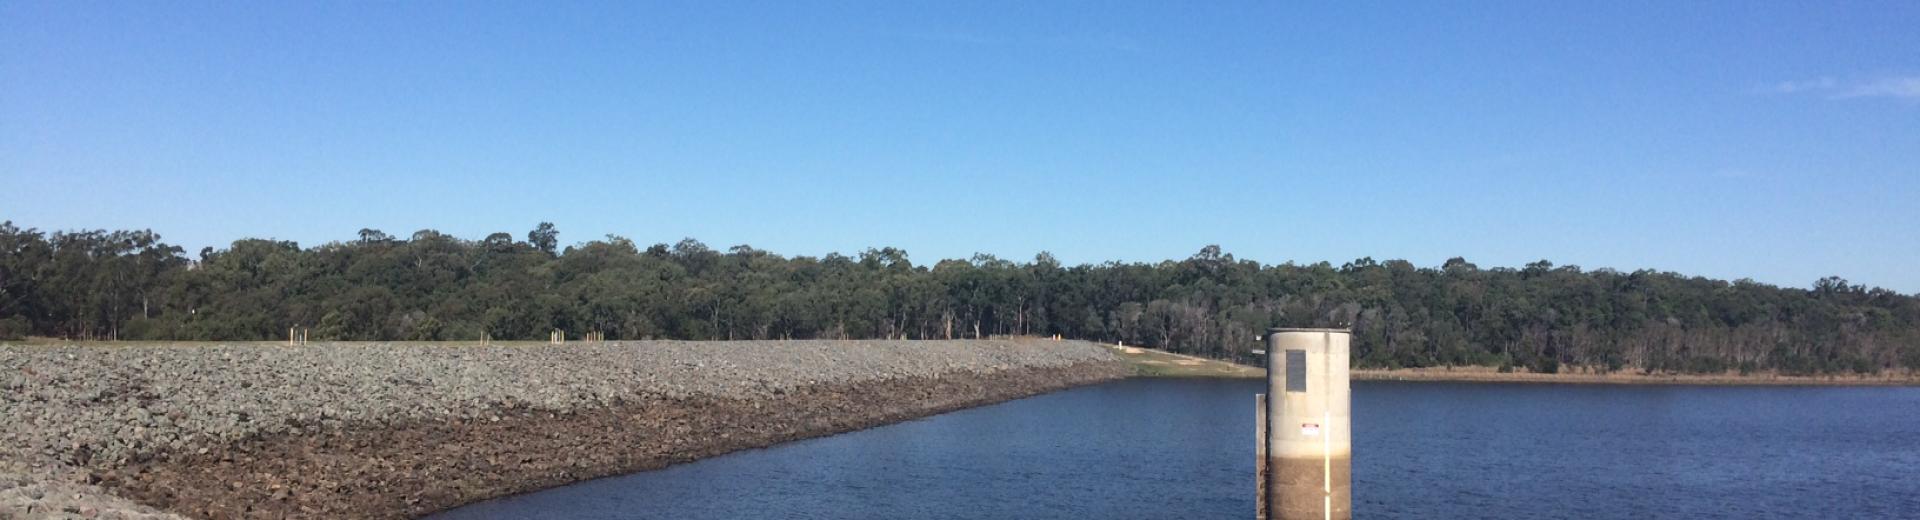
x: 1184, y: 449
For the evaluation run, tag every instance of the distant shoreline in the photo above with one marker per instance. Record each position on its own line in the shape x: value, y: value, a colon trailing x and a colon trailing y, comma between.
x: 1150, y: 362
x: 1491, y: 375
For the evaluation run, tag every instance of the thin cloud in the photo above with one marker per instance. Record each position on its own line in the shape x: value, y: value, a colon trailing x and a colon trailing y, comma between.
x: 1898, y: 88
x: 1905, y: 88
x: 1791, y: 87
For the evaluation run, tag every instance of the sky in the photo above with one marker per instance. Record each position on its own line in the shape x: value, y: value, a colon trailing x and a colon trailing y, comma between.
x: 1777, y: 141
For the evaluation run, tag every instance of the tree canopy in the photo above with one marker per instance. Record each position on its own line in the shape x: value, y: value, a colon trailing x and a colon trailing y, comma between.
x: 432, y: 286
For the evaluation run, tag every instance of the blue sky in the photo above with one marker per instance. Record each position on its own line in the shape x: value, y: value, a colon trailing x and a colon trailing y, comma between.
x: 1771, y: 140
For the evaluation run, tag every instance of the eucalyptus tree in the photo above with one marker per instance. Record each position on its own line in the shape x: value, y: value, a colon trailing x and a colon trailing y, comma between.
x: 430, y: 285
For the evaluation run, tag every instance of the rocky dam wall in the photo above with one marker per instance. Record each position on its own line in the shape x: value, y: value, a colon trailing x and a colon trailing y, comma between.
x: 400, y: 430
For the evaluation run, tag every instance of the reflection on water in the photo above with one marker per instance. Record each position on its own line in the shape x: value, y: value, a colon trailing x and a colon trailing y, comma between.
x: 1184, y: 449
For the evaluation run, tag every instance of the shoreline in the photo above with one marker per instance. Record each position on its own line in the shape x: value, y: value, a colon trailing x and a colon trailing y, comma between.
x: 1148, y: 362
x: 1490, y: 375
x: 1154, y: 363
x: 406, y: 430
x: 420, y: 469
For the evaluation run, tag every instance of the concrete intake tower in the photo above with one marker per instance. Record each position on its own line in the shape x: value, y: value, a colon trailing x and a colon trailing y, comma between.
x: 1308, y: 454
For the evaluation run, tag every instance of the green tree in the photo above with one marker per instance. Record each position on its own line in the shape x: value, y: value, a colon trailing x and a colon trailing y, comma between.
x: 544, y: 238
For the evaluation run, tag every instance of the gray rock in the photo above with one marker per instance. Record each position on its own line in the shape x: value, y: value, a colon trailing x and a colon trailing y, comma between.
x: 103, y: 405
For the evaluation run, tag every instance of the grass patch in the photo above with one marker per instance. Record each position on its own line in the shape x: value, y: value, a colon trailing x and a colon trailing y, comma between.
x: 1155, y: 363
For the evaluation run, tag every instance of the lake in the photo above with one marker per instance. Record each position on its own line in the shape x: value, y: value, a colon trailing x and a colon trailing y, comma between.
x: 1183, y: 448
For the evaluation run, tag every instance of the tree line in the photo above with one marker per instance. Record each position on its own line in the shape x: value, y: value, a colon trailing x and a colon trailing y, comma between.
x: 130, y: 285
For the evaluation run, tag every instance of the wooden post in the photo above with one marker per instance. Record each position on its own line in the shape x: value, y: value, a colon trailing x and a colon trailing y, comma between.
x: 1260, y: 455
x: 289, y: 336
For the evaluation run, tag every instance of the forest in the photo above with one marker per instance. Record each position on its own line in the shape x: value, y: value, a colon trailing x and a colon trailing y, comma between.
x: 130, y: 285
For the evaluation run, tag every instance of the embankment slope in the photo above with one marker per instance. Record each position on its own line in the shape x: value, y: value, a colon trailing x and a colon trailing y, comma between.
x: 401, y: 430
